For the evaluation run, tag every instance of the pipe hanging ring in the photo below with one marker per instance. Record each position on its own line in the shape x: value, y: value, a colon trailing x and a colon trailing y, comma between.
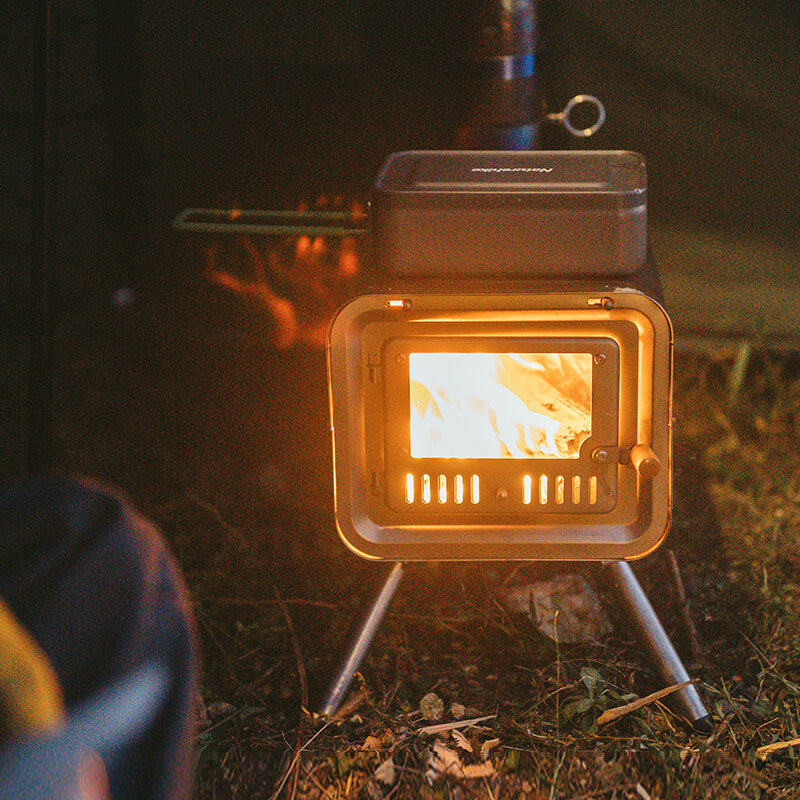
x: 564, y: 116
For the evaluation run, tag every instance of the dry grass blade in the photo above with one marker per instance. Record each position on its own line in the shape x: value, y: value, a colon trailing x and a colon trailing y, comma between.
x: 292, y: 764
x: 621, y: 711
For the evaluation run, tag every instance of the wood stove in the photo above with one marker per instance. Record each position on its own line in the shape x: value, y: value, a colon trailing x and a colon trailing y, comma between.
x: 503, y: 390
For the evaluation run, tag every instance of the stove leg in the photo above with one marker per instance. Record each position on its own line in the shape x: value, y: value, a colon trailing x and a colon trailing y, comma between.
x: 363, y: 633
x: 653, y: 638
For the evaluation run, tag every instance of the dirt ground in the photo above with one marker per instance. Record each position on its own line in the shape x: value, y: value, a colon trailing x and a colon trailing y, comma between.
x: 182, y: 398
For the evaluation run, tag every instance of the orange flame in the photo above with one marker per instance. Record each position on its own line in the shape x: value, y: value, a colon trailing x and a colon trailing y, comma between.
x: 499, y: 405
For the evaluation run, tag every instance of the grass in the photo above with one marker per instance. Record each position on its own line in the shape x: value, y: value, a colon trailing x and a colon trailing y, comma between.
x: 234, y: 466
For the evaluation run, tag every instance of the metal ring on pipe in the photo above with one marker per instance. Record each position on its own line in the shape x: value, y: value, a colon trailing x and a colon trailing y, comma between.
x: 576, y: 101
x: 563, y: 116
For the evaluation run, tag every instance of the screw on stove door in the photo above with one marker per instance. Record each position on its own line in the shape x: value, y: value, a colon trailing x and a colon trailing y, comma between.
x: 600, y: 455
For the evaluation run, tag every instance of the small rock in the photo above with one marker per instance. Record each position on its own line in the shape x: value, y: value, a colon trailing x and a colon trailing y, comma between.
x: 431, y: 707
x: 457, y: 711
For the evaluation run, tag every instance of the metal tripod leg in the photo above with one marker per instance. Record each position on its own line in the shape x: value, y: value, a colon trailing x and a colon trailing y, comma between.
x: 363, y: 633
x: 653, y: 638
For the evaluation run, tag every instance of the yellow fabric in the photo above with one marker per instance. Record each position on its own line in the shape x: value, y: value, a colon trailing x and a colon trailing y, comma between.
x: 30, y: 695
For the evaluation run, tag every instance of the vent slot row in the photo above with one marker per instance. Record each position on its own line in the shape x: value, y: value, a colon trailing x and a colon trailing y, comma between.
x: 426, y: 488
x: 459, y: 490
x: 560, y: 490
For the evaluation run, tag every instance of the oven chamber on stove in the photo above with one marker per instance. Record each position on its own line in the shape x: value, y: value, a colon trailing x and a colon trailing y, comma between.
x: 478, y: 415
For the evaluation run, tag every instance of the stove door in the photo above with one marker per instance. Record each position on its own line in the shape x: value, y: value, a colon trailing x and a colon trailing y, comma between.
x: 504, y: 426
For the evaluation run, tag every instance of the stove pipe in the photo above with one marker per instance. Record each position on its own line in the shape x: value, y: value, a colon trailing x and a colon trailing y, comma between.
x: 501, y: 109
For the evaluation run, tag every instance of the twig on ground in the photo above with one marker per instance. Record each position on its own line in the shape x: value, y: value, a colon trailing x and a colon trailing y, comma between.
x: 452, y: 726
x: 620, y: 711
x: 301, y: 667
x: 211, y: 509
x: 682, y: 607
x: 295, y: 760
x: 738, y: 371
x: 302, y: 678
x: 766, y: 750
x: 558, y: 677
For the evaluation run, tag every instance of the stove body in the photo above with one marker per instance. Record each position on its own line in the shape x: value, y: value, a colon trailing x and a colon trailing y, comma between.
x: 504, y: 392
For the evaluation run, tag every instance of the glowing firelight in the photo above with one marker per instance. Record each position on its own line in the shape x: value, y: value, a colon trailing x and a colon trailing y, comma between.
x: 499, y: 405
x: 297, y: 281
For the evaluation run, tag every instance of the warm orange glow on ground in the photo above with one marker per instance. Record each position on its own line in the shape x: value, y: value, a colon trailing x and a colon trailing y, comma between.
x: 499, y: 405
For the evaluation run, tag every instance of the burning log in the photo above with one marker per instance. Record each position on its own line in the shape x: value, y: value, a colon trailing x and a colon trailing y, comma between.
x: 499, y: 405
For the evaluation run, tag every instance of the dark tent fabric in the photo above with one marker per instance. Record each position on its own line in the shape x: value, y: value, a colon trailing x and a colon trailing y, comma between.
x: 709, y: 92
x: 164, y: 106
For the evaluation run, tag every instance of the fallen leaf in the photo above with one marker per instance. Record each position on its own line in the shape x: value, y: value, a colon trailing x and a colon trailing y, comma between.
x: 487, y: 746
x: 388, y: 738
x: 461, y: 741
x: 443, y: 761
x: 371, y: 743
x: 483, y: 770
x: 445, y: 754
x: 568, y: 599
x: 386, y: 772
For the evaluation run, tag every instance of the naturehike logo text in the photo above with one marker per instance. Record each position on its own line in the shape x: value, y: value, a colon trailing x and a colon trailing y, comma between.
x: 512, y: 169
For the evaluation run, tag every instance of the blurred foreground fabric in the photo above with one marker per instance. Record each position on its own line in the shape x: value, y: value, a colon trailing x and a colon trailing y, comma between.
x: 92, y: 583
